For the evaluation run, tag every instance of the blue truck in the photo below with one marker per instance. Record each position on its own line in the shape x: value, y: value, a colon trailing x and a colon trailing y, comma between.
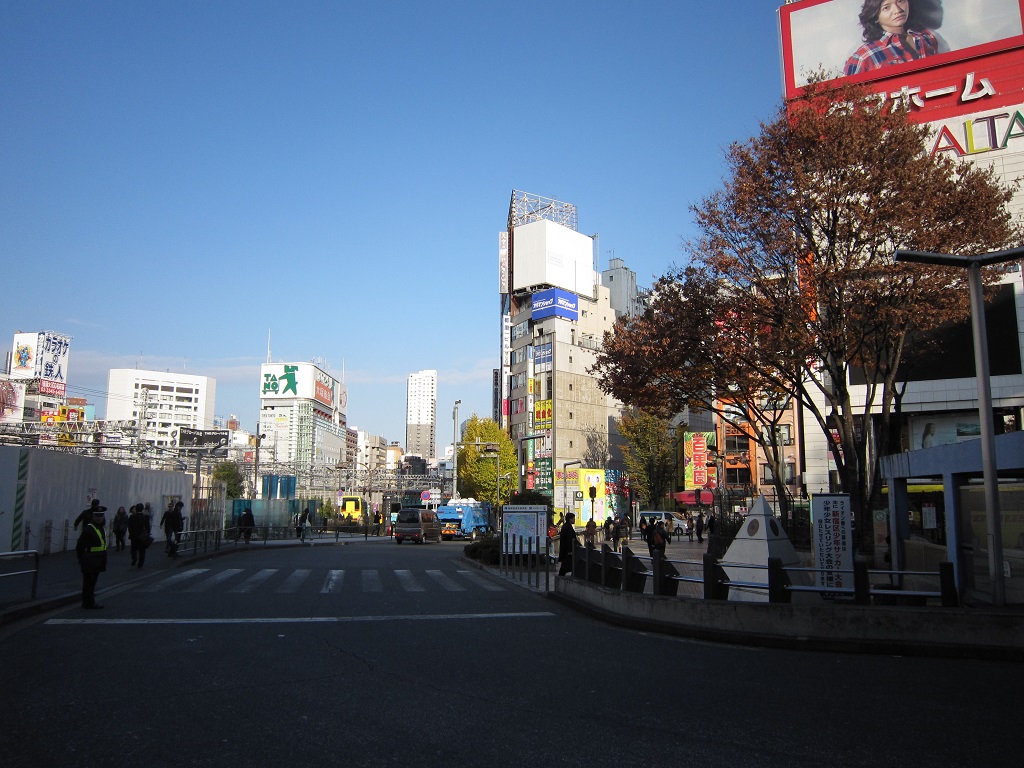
x: 462, y: 519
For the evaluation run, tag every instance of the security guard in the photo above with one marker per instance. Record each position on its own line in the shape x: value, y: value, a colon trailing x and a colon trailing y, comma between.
x: 92, y: 555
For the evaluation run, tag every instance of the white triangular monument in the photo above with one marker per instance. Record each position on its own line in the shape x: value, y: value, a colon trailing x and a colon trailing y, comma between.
x: 759, y: 538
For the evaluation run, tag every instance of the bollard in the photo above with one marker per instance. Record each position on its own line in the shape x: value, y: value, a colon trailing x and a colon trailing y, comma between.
x: 634, y: 572
x: 664, y: 576
x: 861, y: 583
x: 947, y: 585
x: 777, y: 582
x: 713, y: 587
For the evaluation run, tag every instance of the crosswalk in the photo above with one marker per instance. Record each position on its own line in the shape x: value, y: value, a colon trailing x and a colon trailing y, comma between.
x: 241, y: 581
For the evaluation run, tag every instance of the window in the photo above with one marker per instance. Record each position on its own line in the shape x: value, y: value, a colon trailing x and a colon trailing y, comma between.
x: 782, y: 432
x: 737, y: 443
x: 737, y: 476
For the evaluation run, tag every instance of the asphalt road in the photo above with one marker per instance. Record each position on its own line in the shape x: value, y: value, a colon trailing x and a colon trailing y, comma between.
x: 384, y: 655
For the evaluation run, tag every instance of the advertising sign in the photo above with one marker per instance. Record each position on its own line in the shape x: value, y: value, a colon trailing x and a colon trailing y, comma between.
x: 42, y: 356
x: 12, y: 402
x: 828, y: 36
x: 301, y: 380
x: 832, y: 540
x: 523, y: 523
x: 202, y: 439
x: 556, y: 302
x: 542, y: 411
x: 699, y: 470
x: 591, y: 481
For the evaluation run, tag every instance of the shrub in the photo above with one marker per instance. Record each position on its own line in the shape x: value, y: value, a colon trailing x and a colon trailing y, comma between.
x: 487, y: 550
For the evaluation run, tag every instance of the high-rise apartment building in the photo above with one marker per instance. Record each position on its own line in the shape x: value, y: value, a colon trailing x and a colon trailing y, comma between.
x: 421, y: 414
x: 161, y: 401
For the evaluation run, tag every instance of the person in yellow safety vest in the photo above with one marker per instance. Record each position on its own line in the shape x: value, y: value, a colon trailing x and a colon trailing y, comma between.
x: 92, y: 555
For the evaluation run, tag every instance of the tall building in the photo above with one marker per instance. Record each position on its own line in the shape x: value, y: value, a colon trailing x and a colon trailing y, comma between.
x: 303, y: 415
x: 626, y: 299
x: 161, y: 401
x: 555, y: 312
x: 421, y: 414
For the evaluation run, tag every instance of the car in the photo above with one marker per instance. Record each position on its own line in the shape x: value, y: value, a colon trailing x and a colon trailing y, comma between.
x: 417, y: 525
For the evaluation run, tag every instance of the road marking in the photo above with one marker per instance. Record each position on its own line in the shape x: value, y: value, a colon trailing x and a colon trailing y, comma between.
x: 445, y: 581
x: 333, y: 582
x: 293, y: 582
x: 309, y: 619
x: 408, y: 581
x: 224, y: 575
x: 480, y: 581
x: 254, y: 581
x: 175, y: 579
x: 371, y: 582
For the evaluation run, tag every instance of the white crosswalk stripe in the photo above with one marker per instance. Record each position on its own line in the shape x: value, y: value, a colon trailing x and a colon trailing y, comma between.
x: 333, y: 582
x: 214, y: 580
x: 293, y: 582
x: 174, y: 580
x: 254, y: 581
x: 445, y: 581
x: 237, y: 581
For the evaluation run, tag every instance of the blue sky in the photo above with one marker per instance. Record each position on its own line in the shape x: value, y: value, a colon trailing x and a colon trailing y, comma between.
x: 181, y: 178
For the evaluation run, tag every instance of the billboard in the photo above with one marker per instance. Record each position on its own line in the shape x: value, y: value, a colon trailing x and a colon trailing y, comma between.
x: 279, y: 381
x: 699, y: 471
x: 960, y: 48
x: 546, y: 253
x: 12, y: 402
x: 202, y: 439
x: 556, y: 303
x: 42, y: 356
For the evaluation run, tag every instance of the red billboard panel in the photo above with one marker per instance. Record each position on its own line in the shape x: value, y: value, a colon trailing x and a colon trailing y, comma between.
x: 944, y: 57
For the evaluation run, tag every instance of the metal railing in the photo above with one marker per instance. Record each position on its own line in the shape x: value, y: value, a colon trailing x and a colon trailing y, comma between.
x: 630, y: 572
x: 34, y: 570
x: 526, y: 557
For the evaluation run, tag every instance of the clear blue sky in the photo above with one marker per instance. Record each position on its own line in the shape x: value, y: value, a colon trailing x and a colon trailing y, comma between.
x: 179, y: 178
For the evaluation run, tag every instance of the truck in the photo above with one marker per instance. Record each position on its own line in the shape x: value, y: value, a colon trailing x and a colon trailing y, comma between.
x: 462, y: 519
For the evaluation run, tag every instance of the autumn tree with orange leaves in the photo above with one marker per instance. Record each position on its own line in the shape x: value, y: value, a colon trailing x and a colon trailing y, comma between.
x: 792, y: 282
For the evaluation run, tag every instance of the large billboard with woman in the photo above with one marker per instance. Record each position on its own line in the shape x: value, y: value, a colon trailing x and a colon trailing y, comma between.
x: 877, y: 39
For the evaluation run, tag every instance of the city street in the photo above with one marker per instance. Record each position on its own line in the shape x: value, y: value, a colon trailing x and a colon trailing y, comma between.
x: 374, y: 654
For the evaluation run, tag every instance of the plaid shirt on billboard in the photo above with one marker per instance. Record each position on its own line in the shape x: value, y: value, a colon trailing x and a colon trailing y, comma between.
x: 889, y: 49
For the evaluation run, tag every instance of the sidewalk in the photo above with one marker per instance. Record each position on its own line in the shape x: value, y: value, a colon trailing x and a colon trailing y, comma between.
x: 59, y: 580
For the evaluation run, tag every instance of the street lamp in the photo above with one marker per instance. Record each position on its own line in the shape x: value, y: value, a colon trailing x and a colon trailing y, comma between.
x: 455, y: 451
x: 973, y: 265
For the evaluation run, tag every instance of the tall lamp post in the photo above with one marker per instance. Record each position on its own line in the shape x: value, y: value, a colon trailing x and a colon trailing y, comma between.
x: 455, y: 451
x: 993, y: 521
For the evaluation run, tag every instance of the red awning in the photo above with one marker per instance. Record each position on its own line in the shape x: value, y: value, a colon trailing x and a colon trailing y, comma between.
x: 690, y: 497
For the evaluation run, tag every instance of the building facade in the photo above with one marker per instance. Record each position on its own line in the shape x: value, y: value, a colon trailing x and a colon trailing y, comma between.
x: 302, y: 415
x: 162, y: 402
x: 421, y: 414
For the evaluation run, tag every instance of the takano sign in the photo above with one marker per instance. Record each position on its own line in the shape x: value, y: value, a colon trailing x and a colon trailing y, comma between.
x: 303, y: 381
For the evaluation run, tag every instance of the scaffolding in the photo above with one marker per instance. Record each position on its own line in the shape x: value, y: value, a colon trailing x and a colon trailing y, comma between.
x: 524, y: 208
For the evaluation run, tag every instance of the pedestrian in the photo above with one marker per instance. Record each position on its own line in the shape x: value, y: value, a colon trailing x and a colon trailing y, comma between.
x: 590, y: 532
x: 378, y: 520
x: 173, y: 522
x: 617, y: 529
x: 92, y: 553
x: 139, y: 534
x: 304, y: 523
x: 120, y: 528
x: 608, y: 525
x: 700, y: 527
x: 247, y: 522
x: 566, y: 544
x: 86, y: 514
x: 659, y: 539
x: 711, y: 525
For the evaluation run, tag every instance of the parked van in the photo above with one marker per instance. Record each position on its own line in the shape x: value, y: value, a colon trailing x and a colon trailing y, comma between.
x: 417, y: 525
x: 678, y: 526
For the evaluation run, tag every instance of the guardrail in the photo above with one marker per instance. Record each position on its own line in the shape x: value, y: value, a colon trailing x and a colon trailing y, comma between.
x: 629, y: 571
x: 264, y: 533
x: 34, y: 570
x: 526, y: 557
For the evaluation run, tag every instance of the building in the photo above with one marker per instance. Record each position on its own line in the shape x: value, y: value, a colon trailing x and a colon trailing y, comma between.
x: 161, y: 401
x: 302, y: 415
x: 555, y: 311
x: 421, y: 414
x: 626, y: 299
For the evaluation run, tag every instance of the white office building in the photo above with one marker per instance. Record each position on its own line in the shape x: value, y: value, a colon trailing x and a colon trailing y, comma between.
x: 303, y: 415
x: 161, y: 401
x: 421, y: 414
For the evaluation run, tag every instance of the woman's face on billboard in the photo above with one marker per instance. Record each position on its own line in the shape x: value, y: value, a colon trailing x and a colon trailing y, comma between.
x: 892, y: 16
